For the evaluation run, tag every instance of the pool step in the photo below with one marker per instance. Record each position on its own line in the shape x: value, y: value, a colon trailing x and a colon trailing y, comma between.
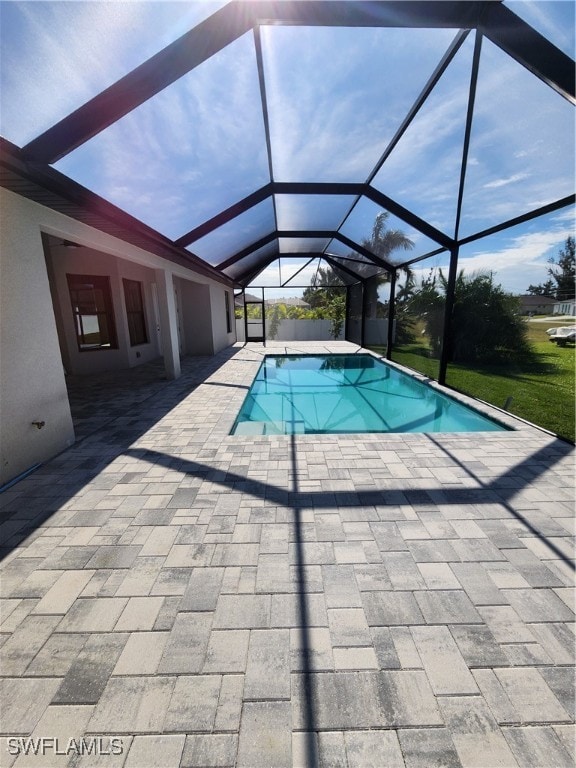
x: 270, y: 428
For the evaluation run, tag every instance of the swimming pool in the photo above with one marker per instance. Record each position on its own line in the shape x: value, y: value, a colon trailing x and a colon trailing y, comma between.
x: 323, y: 394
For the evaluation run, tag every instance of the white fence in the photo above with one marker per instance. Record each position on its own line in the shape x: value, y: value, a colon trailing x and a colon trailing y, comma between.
x: 376, y: 331
x: 304, y: 330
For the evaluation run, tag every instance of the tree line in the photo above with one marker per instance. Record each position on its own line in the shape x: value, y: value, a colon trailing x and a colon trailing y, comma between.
x: 561, y: 283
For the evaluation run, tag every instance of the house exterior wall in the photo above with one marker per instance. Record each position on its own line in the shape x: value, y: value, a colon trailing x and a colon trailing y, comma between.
x: 565, y: 308
x: 169, y: 318
x: 220, y: 336
x: 32, y: 359
x: 86, y: 261
x: 536, y: 305
x: 203, y: 318
x: 196, y: 312
x: 32, y: 385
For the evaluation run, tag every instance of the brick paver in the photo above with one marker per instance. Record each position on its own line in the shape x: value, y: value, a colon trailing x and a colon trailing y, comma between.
x: 308, y: 600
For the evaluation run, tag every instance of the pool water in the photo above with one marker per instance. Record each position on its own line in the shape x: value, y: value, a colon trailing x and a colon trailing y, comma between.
x: 323, y: 394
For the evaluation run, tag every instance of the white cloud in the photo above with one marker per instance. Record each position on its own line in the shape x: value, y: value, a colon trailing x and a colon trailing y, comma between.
x: 270, y: 276
x: 333, y: 103
x: 522, y: 143
x: 554, y: 19
x: 187, y: 153
x: 58, y: 55
x: 516, y: 261
x: 521, y: 252
x: 504, y: 182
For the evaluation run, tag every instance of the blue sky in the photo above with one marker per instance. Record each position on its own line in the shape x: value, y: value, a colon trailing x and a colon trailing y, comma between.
x: 335, y: 98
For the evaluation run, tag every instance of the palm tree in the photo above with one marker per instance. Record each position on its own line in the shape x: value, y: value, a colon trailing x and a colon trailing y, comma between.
x: 327, y: 294
x: 382, y: 242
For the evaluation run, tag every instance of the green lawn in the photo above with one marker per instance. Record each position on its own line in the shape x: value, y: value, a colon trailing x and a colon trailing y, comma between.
x: 543, y: 392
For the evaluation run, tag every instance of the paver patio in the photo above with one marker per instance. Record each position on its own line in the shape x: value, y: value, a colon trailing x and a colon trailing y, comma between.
x: 333, y: 600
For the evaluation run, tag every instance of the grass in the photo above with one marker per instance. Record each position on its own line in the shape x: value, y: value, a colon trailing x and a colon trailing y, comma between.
x: 542, y: 391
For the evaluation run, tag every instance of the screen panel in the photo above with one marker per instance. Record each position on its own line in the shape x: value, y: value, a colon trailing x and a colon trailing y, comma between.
x: 337, y: 95
x: 56, y: 56
x: 343, y: 276
x: 419, y: 305
x: 354, y: 314
x: 362, y: 269
x: 423, y: 170
x: 306, y: 275
x: 319, y: 212
x: 302, y: 244
x: 521, y: 147
x: 237, y: 234
x: 180, y: 158
x: 244, y: 266
x: 384, y: 234
x: 269, y: 276
x: 289, y: 267
x: 554, y: 19
x: 502, y: 352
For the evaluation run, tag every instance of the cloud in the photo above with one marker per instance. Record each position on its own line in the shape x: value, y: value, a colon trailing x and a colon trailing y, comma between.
x: 504, y: 182
x: 522, y: 144
x: 521, y: 252
x: 189, y: 152
x: 58, y: 55
x: 515, y: 260
x: 553, y: 19
x: 333, y: 105
x: 270, y: 276
x: 521, y: 153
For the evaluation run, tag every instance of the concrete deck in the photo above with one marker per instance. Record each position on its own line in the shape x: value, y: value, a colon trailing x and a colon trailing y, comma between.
x: 352, y: 600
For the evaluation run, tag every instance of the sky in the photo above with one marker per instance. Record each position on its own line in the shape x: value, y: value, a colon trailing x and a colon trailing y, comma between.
x: 335, y: 99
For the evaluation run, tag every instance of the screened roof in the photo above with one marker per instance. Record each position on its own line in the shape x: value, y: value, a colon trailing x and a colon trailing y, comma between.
x: 286, y: 130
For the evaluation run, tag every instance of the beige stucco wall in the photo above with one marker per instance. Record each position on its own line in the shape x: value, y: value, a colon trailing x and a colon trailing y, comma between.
x: 32, y: 386
x: 203, y: 318
x: 32, y: 383
x: 221, y: 338
x: 87, y: 261
x: 197, y: 338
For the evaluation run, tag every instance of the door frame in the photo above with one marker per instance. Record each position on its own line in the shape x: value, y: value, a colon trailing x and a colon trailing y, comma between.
x: 247, y: 336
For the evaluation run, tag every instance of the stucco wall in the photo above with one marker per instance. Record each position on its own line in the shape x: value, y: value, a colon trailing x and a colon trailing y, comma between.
x: 32, y: 385
x: 195, y: 309
x: 203, y: 318
x: 87, y: 261
x: 221, y: 338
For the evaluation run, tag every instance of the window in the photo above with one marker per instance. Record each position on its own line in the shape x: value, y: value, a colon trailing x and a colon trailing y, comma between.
x: 135, y: 312
x: 228, y: 321
x: 93, y: 312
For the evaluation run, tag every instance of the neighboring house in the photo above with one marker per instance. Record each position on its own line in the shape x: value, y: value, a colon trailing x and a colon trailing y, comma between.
x: 86, y: 289
x: 536, y: 305
x: 565, y: 307
x: 241, y: 298
x: 290, y: 301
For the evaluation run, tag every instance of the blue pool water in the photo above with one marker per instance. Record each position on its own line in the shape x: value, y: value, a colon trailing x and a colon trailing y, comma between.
x: 322, y: 394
